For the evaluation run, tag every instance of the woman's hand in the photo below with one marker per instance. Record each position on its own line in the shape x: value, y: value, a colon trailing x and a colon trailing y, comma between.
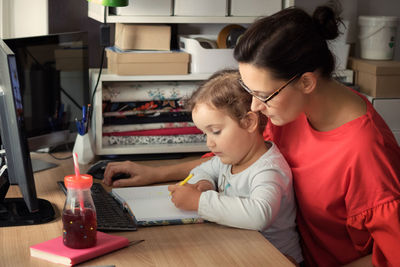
x: 144, y: 175
x: 185, y: 197
x: 139, y: 174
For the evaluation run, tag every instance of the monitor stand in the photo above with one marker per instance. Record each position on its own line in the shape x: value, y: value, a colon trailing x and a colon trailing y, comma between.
x: 14, y: 212
x: 41, y: 165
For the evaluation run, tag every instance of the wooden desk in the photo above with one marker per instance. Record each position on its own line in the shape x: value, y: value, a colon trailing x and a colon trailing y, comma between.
x: 206, y: 244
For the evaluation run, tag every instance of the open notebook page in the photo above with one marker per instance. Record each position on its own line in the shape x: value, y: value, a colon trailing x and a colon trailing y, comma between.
x: 151, y: 203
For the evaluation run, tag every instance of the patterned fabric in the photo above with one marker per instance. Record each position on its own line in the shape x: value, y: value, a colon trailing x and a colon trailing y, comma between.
x: 140, y: 112
x: 147, y: 91
x: 153, y: 140
x: 170, y: 222
x: 143, y: 105
x: 149, y: 118
x: 146, y: 126
x: 148, y: 113
x: 167, y: 131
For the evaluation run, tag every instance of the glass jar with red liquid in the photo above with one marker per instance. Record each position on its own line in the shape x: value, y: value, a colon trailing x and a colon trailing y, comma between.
x: 79, y: 213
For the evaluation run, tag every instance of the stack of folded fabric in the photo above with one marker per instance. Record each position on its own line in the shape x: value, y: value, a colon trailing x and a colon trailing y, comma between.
x: 148, y: 113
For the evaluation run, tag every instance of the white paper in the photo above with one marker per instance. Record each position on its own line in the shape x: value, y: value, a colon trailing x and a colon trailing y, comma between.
x: 151, y: 203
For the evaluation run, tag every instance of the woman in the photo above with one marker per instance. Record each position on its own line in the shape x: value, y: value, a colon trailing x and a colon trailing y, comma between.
x: 344, y: 158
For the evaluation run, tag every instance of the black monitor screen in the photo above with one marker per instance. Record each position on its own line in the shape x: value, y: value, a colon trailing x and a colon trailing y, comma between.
x: 15, y: 156
x: 53, y: 76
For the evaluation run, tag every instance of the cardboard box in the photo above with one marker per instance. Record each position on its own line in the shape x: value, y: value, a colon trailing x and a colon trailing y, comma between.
x: 254, y: 7
x: 201, y: 8
x: 142, y: 37
x: 377, y: 78
x: 138, y: 62
x: 206, y: 60
x: 145, y: 8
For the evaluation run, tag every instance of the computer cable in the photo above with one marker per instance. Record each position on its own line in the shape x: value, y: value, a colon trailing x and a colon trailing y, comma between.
x: 104, y: 42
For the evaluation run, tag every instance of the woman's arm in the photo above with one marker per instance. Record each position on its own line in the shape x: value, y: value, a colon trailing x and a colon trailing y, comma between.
x: 143, y: 175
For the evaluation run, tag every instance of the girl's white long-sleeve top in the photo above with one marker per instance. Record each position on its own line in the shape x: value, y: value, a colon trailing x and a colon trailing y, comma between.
x: 258, y: 198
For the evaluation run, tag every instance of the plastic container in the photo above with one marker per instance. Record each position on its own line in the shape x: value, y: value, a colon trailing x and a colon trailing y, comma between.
x: 83, y: 146
x: 206, y: 60
x: 377, y: 36
x: 253, y: 8
x: 201, y: 8
x: 79, y: 213
x: 145, y: 8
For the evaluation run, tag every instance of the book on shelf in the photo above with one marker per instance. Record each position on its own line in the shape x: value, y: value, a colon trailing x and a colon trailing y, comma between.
x: 152, y: 205
x: 54, y: 250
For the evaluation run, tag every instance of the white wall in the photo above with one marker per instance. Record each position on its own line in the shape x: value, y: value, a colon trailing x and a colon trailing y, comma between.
x: 3, y: 18
x: 21, y: 18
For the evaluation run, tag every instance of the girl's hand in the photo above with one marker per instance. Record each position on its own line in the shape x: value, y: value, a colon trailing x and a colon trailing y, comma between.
x: 185, y: 197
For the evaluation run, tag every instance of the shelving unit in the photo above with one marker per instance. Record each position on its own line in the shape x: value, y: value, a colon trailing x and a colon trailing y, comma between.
x: 96, y: 12
x: 135, y: 149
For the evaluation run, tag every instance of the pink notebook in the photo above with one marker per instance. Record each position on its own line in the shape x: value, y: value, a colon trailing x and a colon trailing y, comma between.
x: 54, y: 250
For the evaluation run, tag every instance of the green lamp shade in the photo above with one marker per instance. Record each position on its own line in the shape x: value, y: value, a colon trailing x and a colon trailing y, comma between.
x: 112, y: 3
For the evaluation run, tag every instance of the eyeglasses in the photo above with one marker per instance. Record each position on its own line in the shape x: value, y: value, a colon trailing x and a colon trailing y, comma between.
x: 268, y: 98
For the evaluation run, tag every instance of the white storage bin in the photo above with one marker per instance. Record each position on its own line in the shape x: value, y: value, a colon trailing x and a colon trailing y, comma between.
x: 389, y: 109
x: 255, y: 7
x: 206, y: 60
x: 341, y: 54
x: 201, y: 8
x: 145, y: 8
x: 397, y: 136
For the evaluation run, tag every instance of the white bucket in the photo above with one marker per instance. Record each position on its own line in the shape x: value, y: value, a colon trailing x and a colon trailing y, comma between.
x: 377, y: 36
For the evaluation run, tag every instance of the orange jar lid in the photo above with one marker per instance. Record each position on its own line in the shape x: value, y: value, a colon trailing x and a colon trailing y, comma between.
x: 85, y: 181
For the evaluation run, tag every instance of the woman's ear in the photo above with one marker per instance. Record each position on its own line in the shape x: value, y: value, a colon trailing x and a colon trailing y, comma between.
x: 250, y: 122
x: 308, y: 82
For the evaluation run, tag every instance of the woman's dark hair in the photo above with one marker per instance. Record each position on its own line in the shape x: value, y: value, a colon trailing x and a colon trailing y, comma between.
x: 223, y: 91
x: 291, y: 42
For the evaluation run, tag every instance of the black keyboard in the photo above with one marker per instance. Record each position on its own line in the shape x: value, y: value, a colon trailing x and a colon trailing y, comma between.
x: 111, y: 216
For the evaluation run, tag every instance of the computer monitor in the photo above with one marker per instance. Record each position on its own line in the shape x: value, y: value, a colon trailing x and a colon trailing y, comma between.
x: 29, y: 209
x: 53, y: 73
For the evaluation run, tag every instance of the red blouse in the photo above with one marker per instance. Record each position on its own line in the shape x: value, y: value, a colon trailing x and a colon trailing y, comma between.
x: 347, y: 187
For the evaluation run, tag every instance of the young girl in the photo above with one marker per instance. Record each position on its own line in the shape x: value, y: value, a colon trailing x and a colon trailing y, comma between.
x: 248, y: 184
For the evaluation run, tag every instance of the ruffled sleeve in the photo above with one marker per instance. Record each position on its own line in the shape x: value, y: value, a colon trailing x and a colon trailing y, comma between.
x: 378, y: 230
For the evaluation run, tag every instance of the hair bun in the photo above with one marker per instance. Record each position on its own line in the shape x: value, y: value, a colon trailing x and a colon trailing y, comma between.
x: 326, y: 22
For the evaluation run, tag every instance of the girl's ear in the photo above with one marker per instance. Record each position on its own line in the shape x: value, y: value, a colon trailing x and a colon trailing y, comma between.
x: 308, y: 82
x: 250, y: 122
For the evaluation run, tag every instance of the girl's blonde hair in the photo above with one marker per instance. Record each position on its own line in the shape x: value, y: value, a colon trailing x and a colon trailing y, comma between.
x: 224, y: 92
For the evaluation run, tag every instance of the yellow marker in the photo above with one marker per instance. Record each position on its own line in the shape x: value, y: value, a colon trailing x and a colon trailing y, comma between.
x: 185, y: 181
